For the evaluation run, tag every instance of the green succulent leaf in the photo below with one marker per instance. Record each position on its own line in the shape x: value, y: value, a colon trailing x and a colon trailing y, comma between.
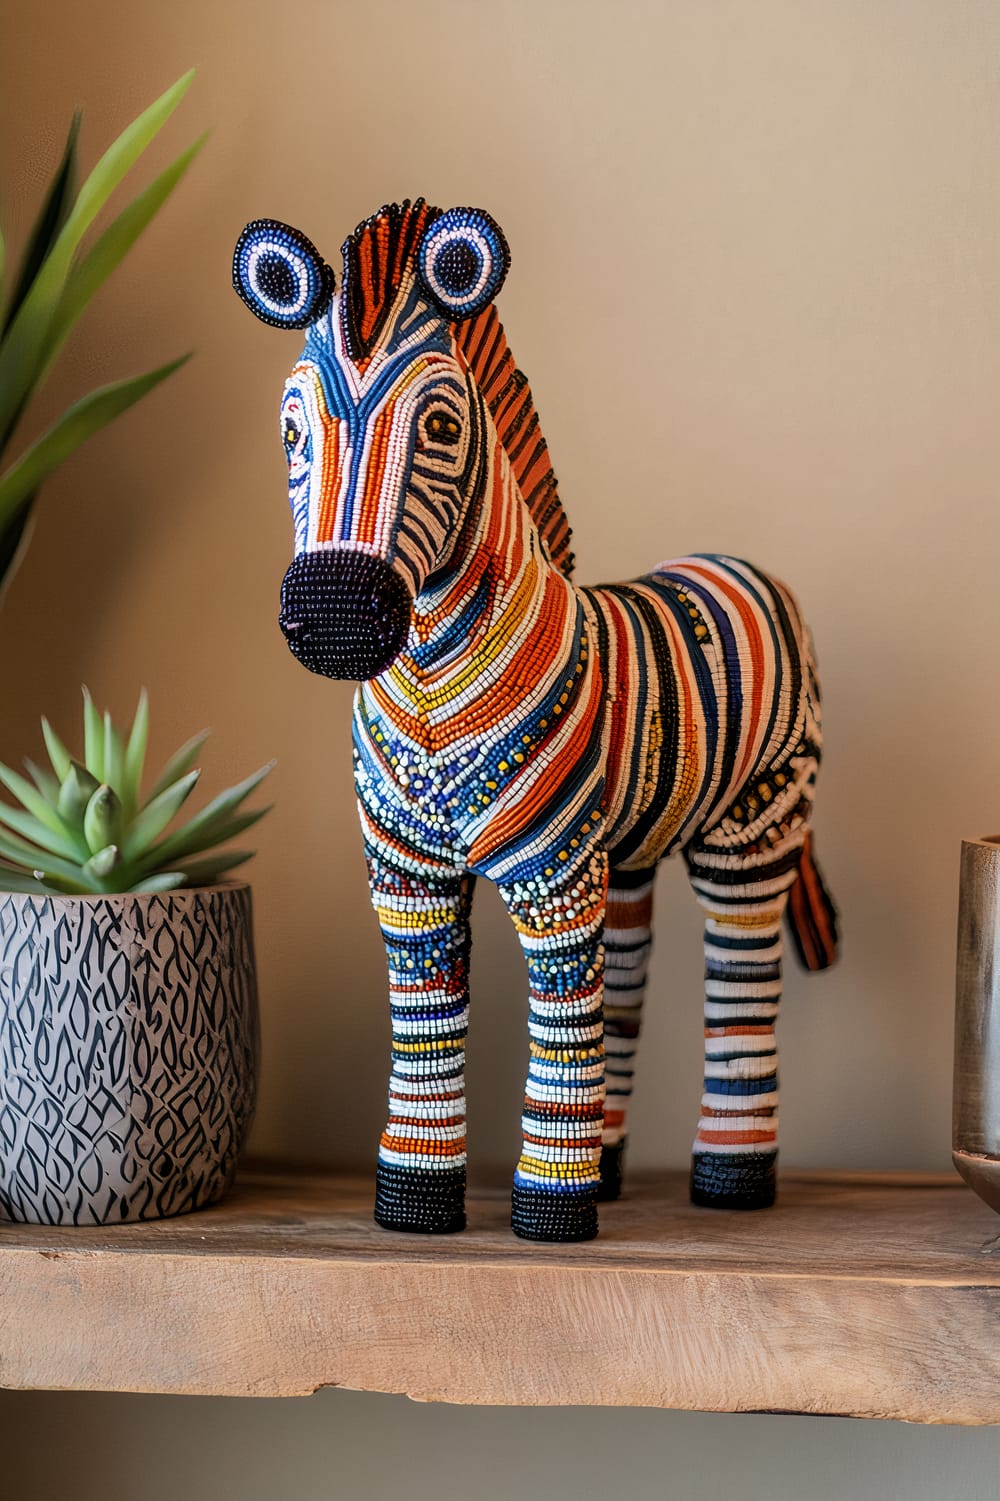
x: 114, y: 753
x: 60, y: 836
x: 77, y: 789
x: 93, y: 738
x: 58, y: 754
x: 102, y: 820
x: 150, y: 823
x: 72, y: 830
x: 100, y: 866
x: 29, y: 828
x: 167, y: 880
x: 64, y: 885
x: 20, y: 851
x: 27, y: 855
x: 188, y: 842
x: 23, y: 881
x: 204, y: 829
x: 180, y: 762
x: 43, y: 780
x: 135, y: 756
x: 204, y: 872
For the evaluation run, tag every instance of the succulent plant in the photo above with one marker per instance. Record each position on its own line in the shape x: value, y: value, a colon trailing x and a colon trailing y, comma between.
x: 87, y: 826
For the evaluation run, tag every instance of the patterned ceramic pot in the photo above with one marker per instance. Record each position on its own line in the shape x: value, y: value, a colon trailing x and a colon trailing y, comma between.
x: 128, y: 1052
x: 976, y: 1101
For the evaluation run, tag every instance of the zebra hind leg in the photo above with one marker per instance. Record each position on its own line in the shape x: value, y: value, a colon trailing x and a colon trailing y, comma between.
x: 627, y: 942
x: 736, y: 1147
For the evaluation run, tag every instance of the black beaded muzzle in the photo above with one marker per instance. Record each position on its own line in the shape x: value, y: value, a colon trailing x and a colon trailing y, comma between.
x: 344, y: 614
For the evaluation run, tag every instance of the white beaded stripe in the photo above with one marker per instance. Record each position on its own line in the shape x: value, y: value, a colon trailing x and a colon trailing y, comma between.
x: 718, y: 1123
x: 737, y: 1149
x: 743, y: 1068
x: 718, y: 990
x: 740, y: 1011
x: 757, y: 1043
x: 433, y: 1160
x: 747, y: 1101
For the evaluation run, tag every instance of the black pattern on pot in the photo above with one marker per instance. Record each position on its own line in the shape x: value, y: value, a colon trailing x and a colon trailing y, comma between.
x: 128, y: 1052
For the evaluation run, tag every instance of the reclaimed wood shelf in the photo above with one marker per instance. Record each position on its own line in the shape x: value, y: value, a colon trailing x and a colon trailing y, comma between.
x: 869, y: 1296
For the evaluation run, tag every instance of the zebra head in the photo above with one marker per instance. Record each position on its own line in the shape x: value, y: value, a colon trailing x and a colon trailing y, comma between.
x: 379, y: 419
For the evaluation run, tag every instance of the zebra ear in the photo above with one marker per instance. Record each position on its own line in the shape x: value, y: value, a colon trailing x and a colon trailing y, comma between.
x: 280, y: 274
x: 463, y: 260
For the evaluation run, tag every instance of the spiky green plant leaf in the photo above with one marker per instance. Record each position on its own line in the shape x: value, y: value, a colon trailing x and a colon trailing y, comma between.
x: 135, y: 756
x: 168, y: 880
x: 58, y: 754
x: 52, y: 216
x: 114, y: 752
x: 103, y: 864
x: 102, y: 821
x: 39, y: 808
x: 23, y: 348
x: 43, y: 780
x: 74, y: 427
x: 179, y: 765
x: 29, y: 828
x: 204, y: 872
x: 55, y: 284
x: 93, y: 738
x: 22, y: 881
x: 204, y: 828
x: 150, y: 822
x: 83, y: 829
x: 78, y: 787
x: 90, y: 273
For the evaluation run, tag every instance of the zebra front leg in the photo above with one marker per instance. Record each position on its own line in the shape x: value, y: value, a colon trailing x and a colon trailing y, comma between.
x: 734, y: 1163
x: 627, y: 942
x: 560, y: 924
x: 420, y: 1180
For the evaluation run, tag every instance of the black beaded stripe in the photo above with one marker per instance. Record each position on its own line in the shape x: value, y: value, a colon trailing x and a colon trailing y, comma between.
x: 612, y: 1172
x: 419, y: 1200
x: 539, y: 1215
x: 736, y: 1180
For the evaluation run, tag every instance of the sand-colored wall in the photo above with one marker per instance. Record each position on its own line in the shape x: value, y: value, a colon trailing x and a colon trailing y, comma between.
x: 754, y: 284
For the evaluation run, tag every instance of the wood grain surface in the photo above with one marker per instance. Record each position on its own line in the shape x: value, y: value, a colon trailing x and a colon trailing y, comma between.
x: 872, y: 1296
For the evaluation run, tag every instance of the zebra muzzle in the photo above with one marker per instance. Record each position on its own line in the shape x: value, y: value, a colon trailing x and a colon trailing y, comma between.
x: 344, y: 614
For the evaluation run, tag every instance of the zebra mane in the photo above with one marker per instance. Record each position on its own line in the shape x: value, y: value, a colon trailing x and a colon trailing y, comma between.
x: 379, y: 263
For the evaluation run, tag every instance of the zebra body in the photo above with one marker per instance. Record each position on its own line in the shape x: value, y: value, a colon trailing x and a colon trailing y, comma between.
x: 509, y: 724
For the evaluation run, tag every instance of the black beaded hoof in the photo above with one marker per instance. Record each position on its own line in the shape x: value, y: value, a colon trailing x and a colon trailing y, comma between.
x: 745, y: 1180
x: 539, y: 1215
x: 612, y: 1168
x: 419, y: 1200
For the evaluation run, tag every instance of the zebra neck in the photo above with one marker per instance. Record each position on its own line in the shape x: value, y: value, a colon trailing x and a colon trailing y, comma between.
x: 493, y: 630
x: 498, y: 580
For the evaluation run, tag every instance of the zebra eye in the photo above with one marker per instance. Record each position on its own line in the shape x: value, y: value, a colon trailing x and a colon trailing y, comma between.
x: 291, y: 434
x: 443, y: 428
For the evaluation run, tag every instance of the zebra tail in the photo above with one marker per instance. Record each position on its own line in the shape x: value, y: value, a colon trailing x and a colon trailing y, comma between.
x: 812, y: 915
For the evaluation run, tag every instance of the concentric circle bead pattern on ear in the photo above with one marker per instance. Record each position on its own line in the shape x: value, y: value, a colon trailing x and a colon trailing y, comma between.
x: 280, y: 275
x: 463, y: 261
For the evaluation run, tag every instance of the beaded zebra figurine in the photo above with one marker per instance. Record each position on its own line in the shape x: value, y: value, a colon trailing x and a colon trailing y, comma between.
x: 558, y: 740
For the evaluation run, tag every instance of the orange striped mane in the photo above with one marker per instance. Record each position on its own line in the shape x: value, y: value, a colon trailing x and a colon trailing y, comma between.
x: 380, y: 263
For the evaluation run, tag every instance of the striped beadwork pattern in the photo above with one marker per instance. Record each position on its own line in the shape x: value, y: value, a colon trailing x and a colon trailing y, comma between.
x: 556, y: 740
